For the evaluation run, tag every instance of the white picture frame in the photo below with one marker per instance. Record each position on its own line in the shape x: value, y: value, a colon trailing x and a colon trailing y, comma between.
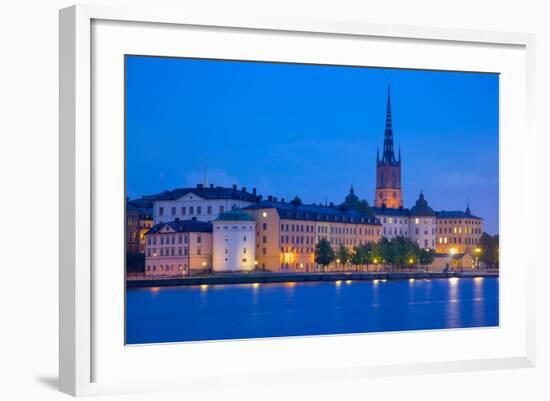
x: 78, y: 222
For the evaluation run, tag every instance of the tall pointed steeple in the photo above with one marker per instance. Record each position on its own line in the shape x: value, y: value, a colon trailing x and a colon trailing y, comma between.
x: 388, y: 155
x: 388, y: 168
x: 468, y: 211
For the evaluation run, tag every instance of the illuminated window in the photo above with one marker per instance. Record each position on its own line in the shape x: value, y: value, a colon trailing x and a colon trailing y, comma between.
x: 264, y: 214
x: 445, y: 240
x: 416, y: 221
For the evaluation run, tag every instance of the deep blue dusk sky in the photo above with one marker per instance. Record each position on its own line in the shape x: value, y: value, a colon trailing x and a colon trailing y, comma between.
x: 312, y: 131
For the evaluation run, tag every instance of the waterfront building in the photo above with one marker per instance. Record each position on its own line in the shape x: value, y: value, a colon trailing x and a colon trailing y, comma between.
x: 395, y: 222
x: 204, y: 203
x: 422, y: 224
x: 388, y: 191
x: 139, y: 219
x: 281, y: 236
x: 287, y: 232
x: 458, y: 232
x: 234, y: 242
x: 178, y: 248
x: 459, y: 261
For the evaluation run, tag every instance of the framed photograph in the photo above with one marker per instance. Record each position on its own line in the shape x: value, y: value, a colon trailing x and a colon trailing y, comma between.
x: 238, y: 194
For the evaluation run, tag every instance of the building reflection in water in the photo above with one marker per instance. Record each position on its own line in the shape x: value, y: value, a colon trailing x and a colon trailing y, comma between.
x: 452, y: 315
x: 479, y: 310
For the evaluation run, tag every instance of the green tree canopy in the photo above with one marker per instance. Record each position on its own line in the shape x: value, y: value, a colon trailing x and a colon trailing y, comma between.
x: 343, y: 255
x: 324, y: 254
x: 489, y: 247
x: 426, y: 257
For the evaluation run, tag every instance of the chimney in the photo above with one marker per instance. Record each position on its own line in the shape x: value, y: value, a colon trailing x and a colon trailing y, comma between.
x: 254, y: 191
x: 199, y: 186
x: 283, y: 200
x: 331, y: 204
x: 270, y: 198
x: 274, y: 199
x: 234, y: 187
x: 211, y: 185
x: 244, y: 189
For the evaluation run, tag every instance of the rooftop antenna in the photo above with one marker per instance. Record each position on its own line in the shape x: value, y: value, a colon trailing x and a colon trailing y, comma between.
x: 205, y: 177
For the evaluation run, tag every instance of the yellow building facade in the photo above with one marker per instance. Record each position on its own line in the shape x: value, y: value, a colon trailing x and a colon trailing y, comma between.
x: 458, y: 232
x: 286, y: 235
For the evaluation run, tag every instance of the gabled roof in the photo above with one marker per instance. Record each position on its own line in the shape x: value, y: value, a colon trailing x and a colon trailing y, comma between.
x: 387, y: 211
x: 183, y: 226
x: 141, y: 206
x: 234, y: 215
x: 315, y: 213
x: 456, y: 214
x: 210, y: 192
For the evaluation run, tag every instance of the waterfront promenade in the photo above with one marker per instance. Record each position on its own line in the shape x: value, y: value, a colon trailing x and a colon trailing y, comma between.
x: 266, y: 277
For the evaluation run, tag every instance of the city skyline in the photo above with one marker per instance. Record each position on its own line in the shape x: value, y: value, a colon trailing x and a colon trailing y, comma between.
x: 260, y: 123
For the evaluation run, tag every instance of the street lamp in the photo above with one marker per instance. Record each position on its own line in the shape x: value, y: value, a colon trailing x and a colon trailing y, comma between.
x: 452, y: 252
x: 477, y: 251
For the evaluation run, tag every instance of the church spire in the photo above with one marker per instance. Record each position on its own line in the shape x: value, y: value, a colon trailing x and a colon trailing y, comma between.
x: 388, y: 155
x: 468, y: 211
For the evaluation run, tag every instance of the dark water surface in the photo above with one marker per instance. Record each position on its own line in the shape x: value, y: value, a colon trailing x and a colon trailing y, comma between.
x: 168, y: 314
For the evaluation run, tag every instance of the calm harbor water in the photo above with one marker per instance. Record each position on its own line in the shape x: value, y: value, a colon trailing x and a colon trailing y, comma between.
x: 169, y: 314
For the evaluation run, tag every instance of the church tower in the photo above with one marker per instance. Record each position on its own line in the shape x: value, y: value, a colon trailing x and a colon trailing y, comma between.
x: 388, y: 169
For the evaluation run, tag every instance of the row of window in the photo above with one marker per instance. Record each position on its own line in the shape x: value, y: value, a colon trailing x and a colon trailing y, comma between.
x: 167, y: 240
x: 298, y: 240
x: 299, y: 250
x: 394, y: 231
x: 170, y: 251
x: 467, y: 222
x: 235, y: 227
x: 459, y: 230
x: 458, y: 240
x: 166, y: 268
x: 190, y: 210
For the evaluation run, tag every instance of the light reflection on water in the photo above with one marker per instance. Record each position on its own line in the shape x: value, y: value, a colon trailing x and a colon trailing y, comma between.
x: 162, y: 314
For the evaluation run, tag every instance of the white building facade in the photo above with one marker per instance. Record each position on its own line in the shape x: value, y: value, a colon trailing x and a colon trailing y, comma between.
x: 422, y: 224
x: 395, y: 222
x: 202, y: 203
x: 234, y: 242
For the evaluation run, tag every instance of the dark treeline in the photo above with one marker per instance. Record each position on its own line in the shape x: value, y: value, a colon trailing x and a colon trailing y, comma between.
x: 399, y: 252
